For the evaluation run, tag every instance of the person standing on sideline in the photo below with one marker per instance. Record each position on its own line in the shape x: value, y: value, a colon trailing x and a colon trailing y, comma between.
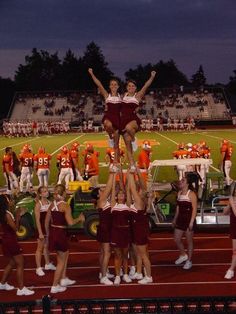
x: 74, y: 153
x: 91, y: 166
x: 64, y: 164
x: 129, y: 121
x: 120, y: 231
x: 8, y: 171
x: 11, y: 248
x: 231, y: 210
x: 57, y: 218
x: 40, y: 211
x: 26, y: 158
x: 184, y: 221
x: 140, y: 228
x: 42, y: 166
x: 103, y: 205
x: 226, y: 151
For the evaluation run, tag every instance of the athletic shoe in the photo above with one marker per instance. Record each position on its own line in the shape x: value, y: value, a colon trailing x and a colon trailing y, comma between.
x: 136, y: 276
x: 132, y: 169
x: 117, y: 280
x: 229, y: 274
x: 50, y: 266
x: 106, y: 281
x: 24, y: 291
x: 126, y: 278
x: 181, y: 259
x: 40, y: 272
x: 111, y: 142
x: 121, y: 272
x: 57, y: 289
x: 108, y: 275
x: 6, y: 286
x: 188, y: 265
x: 132, y: 271
x: 145, y: 280
x: 134, y: 145
x: 67, y: 282
x: 114, y: 168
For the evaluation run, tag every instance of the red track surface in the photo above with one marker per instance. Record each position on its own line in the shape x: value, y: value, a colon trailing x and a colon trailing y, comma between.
x: 211, y: 259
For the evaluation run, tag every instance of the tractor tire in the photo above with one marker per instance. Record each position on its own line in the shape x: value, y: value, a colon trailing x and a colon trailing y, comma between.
x: 90, y: 225
x: 26, y: 228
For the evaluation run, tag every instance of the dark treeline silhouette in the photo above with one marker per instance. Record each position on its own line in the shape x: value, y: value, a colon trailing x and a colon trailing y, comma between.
x: 43, y: 71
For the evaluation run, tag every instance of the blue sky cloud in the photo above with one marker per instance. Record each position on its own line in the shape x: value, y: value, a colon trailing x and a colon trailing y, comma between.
x: 191, y: 32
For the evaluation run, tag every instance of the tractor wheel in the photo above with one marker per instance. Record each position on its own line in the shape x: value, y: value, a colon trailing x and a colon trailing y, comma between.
x: 90, y: 225
x: 25, y: 230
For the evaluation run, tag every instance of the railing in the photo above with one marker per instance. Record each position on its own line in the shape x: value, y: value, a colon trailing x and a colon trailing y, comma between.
x: 210, y: 305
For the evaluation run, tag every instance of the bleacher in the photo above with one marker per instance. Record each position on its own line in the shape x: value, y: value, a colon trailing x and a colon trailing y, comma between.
x: 75, y: 106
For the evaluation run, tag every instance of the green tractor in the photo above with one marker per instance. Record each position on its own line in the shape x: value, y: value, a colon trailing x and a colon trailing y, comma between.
x: 80, y: 202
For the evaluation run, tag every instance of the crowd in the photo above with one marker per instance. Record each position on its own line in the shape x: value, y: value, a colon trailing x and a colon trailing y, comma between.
x: 26, y: 128
x: 122, y: 204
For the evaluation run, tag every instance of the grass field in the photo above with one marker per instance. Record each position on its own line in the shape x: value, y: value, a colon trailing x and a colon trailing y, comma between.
x: 163, y: 144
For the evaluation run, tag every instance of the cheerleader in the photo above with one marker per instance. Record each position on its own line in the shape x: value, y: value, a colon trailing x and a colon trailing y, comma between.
x: 40, y: 211
x: 111, y: 118
x: 103, y: 206
x: 184, y: 221
x: 58, y: 217
x: 140, y: 229
x: 120, y: 233
x: 129, y: 121
x: 231, y: 210
x: 11, y: 248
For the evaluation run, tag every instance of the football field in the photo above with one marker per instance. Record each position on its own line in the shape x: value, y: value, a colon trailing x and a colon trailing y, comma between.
x: 163, y: 144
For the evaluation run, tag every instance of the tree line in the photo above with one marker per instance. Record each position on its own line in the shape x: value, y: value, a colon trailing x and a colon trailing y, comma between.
x: 43, y: 71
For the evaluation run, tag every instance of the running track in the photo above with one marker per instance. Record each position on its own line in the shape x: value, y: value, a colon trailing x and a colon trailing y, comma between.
x: 211, y: 260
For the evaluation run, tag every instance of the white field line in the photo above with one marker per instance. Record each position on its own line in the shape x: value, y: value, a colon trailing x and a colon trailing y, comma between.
x: 169, y: 139
x: 53, y: 153
x: 217, y: 130
x: 150, y: 251
x: 33, y: 139
x: 216, y: 137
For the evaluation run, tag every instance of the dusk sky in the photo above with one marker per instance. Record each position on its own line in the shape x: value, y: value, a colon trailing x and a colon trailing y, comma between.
x: 129, y: 32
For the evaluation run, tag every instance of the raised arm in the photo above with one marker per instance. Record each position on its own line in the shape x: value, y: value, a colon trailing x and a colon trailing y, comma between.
x: 107, y: 191
x: 136, y: 197
x: 141, y: 181
x: 98, y: 83
x: 143, y: 90
x: 113, y: 192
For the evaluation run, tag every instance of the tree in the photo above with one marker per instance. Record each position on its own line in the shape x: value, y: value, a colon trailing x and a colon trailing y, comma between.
x: 72, y: 68
x: 199, y: 79
x: 231, y: 86
x: 168, y: 75
x: 94, y: 58
x: 7, y: 90
x: 42, y: 71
